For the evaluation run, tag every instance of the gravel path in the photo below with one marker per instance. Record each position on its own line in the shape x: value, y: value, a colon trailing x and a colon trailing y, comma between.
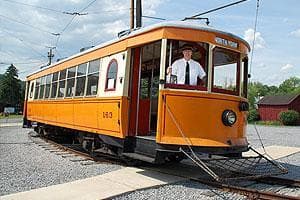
x: 272, y: 135
x: 11, y: 120
x: 25, y: 165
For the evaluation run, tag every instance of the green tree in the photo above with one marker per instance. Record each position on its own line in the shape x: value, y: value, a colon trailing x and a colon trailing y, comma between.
x: 10, y: 87
x: 290, y: 86
x: 273, y: 90
x: 257, y: 90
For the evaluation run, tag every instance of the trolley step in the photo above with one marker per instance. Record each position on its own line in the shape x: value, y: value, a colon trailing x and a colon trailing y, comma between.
x: 137, y: 156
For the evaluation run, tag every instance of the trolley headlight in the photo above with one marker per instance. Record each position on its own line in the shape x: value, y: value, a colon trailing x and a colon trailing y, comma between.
x: 228, y: 117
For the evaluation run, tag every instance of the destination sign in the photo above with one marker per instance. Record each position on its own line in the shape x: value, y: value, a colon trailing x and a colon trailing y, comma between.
x: 225, y: 42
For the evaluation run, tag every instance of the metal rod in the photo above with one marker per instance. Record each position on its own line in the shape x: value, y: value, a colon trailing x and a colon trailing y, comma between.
x: 158, y: 18
x: 131, y: 14
x: 138, y: 13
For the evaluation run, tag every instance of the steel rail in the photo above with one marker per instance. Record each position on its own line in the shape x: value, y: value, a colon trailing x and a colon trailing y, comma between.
x: 250, y: 193
x: 92, y: 157
x: 279, y: 181
x: 87, y: 156
x: 68, y: 149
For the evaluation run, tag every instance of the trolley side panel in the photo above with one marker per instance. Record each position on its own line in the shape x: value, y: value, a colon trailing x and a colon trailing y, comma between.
x: 102, y: 116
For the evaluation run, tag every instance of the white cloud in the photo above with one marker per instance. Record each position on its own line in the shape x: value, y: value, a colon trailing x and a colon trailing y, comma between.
x: 115, y: 27
x: 259, y: 40
x: 285, y: 20
x: 149, y: 6
x: 262, y: 65
x: 286, y: 67
x: 75, y: 1
x: 296, y: 33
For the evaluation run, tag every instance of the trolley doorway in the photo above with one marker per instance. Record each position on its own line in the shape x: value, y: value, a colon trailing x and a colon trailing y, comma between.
x: 145, y: 68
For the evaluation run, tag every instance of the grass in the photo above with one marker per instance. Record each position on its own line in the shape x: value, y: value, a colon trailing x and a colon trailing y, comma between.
x: 11, y: 116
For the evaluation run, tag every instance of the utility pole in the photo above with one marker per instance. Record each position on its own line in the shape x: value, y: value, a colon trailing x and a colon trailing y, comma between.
x: 138, y: 13
x: 50, y: 55
x: 131, y: 14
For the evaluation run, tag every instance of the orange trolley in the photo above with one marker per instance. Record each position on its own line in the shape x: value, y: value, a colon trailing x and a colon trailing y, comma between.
x: 116, y: 97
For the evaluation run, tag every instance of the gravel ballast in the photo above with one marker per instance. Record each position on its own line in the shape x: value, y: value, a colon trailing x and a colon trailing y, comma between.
x: 24, y: 165
x: 180, y: 190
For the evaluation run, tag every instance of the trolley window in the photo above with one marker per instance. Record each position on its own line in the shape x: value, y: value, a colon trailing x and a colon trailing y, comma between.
x: 225, y: 71
x: 42, y: 87
x: 181, y: 75
x: 54, y: 84
x: 31, y: 89
x: 37, y: 87
x: 62, y: 83
x: 48, y: 84
x: 93, y: 77
x: 71, y: 82
x: 111, y: 77
x: 80, y: 79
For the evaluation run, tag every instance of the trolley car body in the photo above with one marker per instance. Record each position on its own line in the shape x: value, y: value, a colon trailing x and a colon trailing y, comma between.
x: 118, y: 94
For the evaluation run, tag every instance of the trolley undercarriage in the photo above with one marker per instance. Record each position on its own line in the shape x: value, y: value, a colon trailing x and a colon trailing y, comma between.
x: 221, y: 164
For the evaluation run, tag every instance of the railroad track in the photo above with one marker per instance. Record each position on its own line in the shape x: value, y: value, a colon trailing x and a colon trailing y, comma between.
x: 280, y: 181
x: 73, y: 150
x: 248, y: 192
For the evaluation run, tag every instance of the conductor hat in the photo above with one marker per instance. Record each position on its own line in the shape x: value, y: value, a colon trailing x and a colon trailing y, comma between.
x: 187, y: 47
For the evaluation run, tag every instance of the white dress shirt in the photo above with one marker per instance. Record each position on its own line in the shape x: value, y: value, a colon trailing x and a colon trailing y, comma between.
x: 179, y: 69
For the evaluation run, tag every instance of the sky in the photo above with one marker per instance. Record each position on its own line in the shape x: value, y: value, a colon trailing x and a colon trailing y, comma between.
x: 28, y: 28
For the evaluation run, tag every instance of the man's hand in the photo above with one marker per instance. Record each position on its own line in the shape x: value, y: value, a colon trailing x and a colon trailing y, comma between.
x: 169, y: 70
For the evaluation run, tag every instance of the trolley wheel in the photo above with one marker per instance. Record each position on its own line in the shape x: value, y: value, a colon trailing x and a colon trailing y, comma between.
x: 174, y: 158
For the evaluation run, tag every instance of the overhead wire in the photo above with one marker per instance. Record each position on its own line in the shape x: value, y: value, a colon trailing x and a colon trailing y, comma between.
x: 58, y: 53
x: 215, y: 9
x: 29, y: 25
x: 32, y: 69
x: 34, y: 6
x: 18, y: 63
x: 107, y: 11
x: 5, y: 52
x: 39, y: 29
x: 21, y: 40
x: 74, y: 14
x: 150, y: 17
x: 254, y: 35
x: 73, y: 17
x: 45, y: 8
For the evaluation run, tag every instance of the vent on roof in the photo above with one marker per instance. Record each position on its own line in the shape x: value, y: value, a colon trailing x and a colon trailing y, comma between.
x: 59, y: 59
x: 124, y: 33
x: 86, y: 48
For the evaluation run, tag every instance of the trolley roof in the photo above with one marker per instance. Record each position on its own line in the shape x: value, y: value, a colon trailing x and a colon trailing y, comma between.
x: 137, y: 32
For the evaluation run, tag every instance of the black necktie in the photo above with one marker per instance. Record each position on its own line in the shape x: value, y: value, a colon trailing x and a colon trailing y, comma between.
x: 187, y: 74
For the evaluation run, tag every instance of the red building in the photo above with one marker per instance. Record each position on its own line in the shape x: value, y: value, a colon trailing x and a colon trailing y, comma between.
x: 270, y: 106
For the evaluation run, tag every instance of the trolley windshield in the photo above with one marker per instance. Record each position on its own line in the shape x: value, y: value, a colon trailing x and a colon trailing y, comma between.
x: 225, y: 71
x: 187, y: 67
